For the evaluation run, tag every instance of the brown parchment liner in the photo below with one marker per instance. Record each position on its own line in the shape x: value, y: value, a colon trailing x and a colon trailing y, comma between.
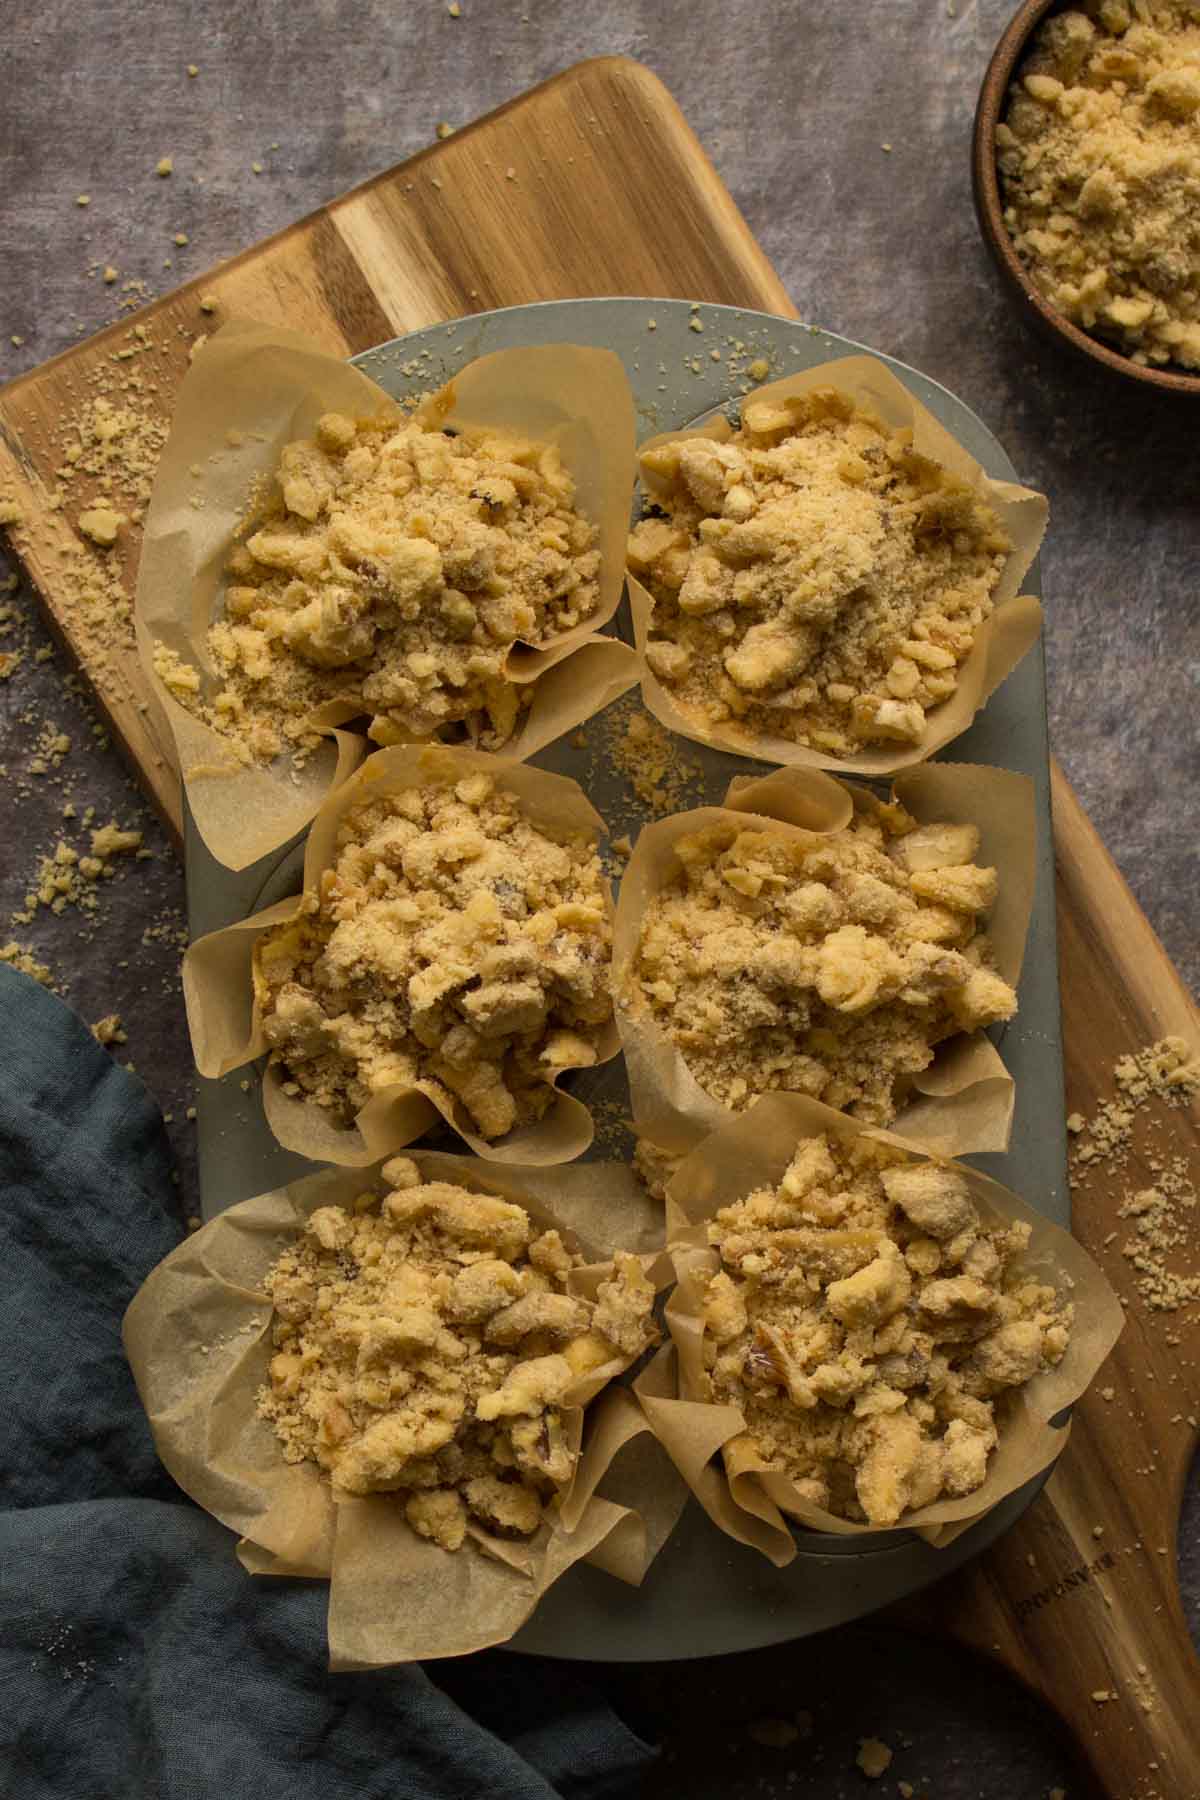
x: 252, y: 389
x: 197, y: 1335
x: 1001, y: 642
x: 738, y: 1490
x: 964, y: 1100
x: 224, y: 1017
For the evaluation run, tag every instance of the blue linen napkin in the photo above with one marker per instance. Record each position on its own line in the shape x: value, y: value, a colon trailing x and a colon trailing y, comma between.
x: 138, y: 1660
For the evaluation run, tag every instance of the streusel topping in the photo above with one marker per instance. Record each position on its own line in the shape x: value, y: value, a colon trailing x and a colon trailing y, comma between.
x: 870, y: 1324
x: 394, y: 567
x: 454, y: 946
x: 424, y: 1344
x: 814, y: 577
x: 823, y: 965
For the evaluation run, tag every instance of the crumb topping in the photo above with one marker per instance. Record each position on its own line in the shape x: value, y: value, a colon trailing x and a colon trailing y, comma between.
x: 869, y: 1324
x: 813, y: 577
x: 394, y: 567
x: 454, y: 946
x: 424, y: 1344
x: 822, y: 965
x: 1100, y: 162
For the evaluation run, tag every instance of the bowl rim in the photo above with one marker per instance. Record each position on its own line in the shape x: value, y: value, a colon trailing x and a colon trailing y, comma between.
x: 989, y: 208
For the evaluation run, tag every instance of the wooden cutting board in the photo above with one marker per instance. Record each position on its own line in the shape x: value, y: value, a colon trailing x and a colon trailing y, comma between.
x: 564, y: 193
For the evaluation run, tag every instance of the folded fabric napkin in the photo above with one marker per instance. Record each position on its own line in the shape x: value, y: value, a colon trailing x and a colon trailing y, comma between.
x: 138, y: 1660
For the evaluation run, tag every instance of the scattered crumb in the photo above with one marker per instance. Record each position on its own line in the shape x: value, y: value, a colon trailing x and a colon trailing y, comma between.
x: 192, y: 70
x: 418, y: 635
x: 101, y: 524
x: 20, y: 956
x: 454, y: 9
x: 180, y: 238
x: 874, y: 1757
x: 165, y: 166
x: 443, y: 129
x: 110, y: 1030
x: 665, y: 777
x: 209, y: 303
x: 256, y: 168
x: 773, y: 1734
x: 110, y: 274
x: 759, y: 369
x: 695, y: 324
x: 83, y: 199
x: 1162, y: 1202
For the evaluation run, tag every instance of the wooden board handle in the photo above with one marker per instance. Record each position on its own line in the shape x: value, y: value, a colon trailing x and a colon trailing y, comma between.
x: 1092, y: 1624
x: 1080, y: 1600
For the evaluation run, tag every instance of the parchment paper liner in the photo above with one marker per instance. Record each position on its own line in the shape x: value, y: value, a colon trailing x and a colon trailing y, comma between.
x: 1001, y: 642
x: 226, y: 1027
x: 198, y: 1339
x: 270, y: 386
x: 737, y: 1491
x: 964, y: 1100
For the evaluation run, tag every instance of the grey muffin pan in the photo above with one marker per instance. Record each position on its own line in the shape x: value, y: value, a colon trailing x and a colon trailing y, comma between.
x: 704, y: 1595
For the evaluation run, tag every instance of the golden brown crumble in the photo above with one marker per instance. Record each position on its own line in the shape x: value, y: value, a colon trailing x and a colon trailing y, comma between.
x: 21, y: 956
x: 874, y: 1756
x: 823, y: 965
x: 663, y: 774
x: 813, y: 577
x: 1100, y: 162
x: 109, y: 1030
x: 424, y: 1345
x: 395, y: 568
x: 655, y: 1166
x: 868, y: 1323
x: 454, y: 946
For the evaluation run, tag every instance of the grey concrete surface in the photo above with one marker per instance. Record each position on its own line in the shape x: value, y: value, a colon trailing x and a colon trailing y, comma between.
x: 795, y: 103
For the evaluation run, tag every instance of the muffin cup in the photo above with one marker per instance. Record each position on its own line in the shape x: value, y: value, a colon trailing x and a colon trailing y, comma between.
x: 707, y: 1442
x: 225, y: 1022
x: 1001, y: 641
x: 251, y: 390
x: 964, y: 1100
x: 198, y: 1338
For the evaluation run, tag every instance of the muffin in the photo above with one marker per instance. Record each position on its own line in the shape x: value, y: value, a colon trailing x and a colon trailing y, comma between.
x: 814, y: 578
x: 829, y: 964
x: 427, y: 1344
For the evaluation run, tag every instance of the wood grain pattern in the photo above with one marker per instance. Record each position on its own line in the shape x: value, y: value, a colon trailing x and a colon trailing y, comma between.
x: 558, y: 195
x: 594, y: 154
x: 1081, y: 1599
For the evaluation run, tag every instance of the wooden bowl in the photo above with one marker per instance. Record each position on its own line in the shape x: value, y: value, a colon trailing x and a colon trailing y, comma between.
x: 1032, y: 305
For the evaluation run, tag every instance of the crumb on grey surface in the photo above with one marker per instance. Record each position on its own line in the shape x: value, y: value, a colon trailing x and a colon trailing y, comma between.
x: 794, y: 114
